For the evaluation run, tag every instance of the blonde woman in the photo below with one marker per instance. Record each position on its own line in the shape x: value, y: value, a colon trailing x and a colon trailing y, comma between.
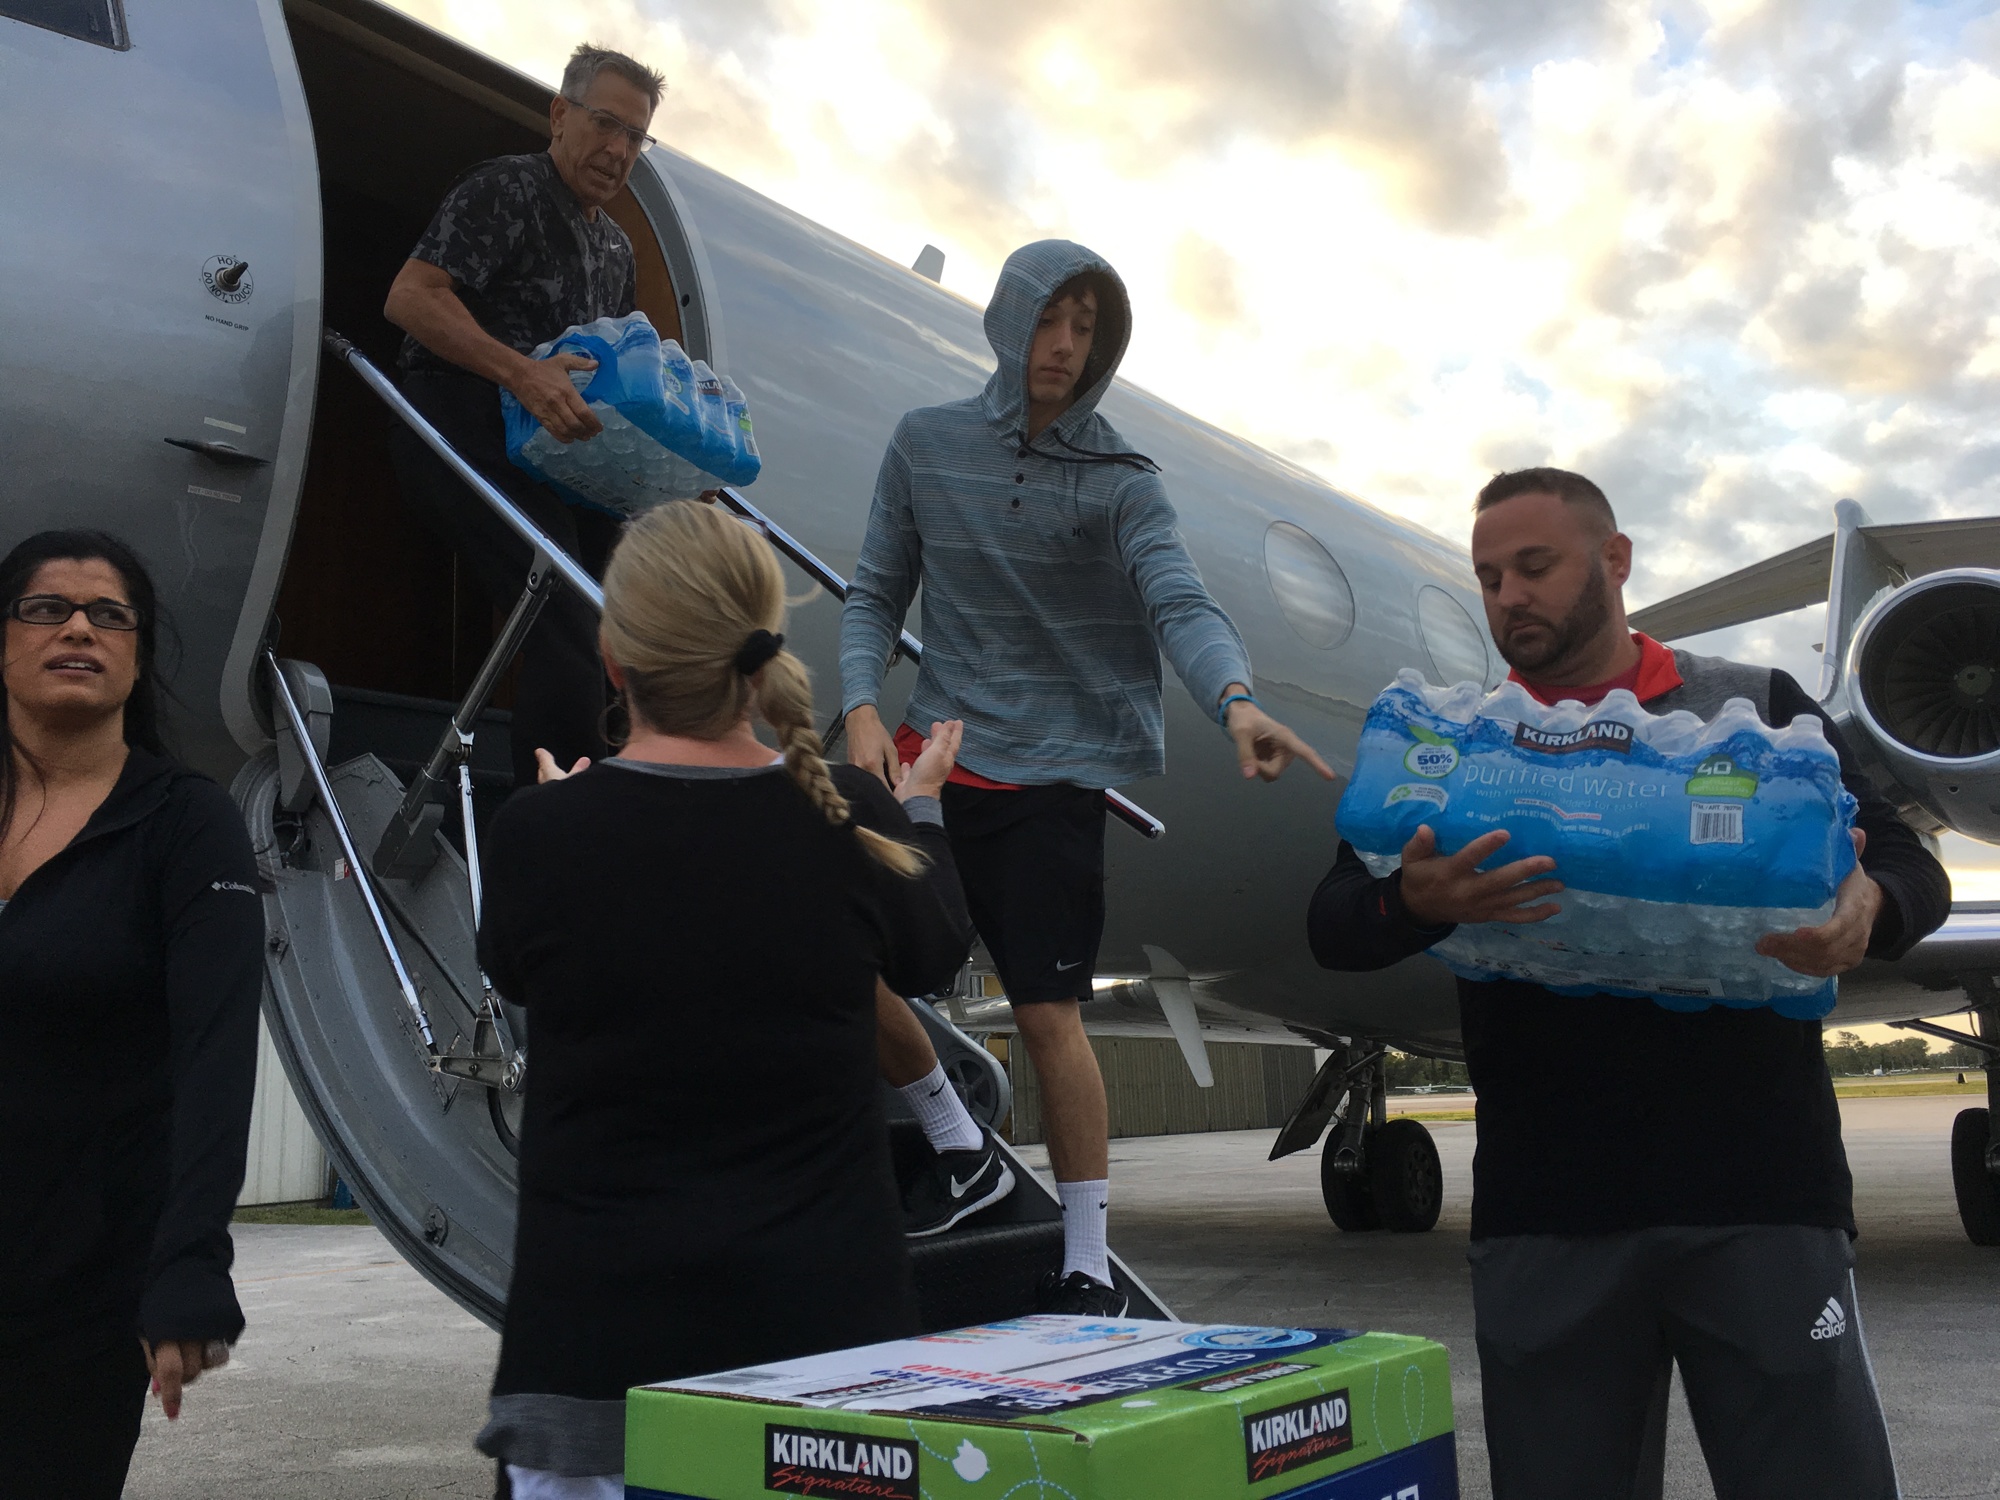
x: 697, y: 928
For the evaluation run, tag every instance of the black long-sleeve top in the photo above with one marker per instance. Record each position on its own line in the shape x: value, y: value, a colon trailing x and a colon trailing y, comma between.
x: 705, y: 1170
x: 1599, y: 1113
x: 131, y: 964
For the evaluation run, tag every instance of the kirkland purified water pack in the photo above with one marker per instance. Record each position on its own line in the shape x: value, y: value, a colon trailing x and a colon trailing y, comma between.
x: 672, y: 427
x: 1679, y: 843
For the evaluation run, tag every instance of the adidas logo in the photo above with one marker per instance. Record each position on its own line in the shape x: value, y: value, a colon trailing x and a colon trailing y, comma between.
x: 1832, y: 1321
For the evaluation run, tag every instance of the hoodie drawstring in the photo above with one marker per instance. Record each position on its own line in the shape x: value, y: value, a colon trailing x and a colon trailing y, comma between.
x: 1130, y: 460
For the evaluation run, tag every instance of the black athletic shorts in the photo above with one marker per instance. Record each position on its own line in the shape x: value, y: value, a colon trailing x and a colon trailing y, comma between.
x: 1032, y: 864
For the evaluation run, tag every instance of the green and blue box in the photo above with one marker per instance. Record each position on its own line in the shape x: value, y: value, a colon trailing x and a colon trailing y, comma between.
x: 1061, y: 1408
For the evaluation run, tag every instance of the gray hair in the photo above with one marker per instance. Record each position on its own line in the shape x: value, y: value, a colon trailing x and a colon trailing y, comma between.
x: 587, y: 62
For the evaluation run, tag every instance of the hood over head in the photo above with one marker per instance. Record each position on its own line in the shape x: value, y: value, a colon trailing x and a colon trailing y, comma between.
x: 1030, y: 277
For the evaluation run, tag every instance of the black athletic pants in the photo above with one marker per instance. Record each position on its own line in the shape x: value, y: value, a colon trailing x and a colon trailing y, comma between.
x: 68, y: 1425
x: 1578, y: 1337
x: 560, y: 695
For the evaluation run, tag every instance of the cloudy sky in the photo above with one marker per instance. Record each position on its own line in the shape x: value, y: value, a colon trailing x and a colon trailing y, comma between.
x: 1732, y: 258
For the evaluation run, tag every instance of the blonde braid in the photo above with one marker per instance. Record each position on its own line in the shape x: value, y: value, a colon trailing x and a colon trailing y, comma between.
x: 785, y: 695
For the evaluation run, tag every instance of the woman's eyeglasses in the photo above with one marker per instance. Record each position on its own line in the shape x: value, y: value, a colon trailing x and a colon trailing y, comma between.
x: 54, y: 609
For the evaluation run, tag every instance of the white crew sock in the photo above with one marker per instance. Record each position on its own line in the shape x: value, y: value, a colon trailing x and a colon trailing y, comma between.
x: 1086, y: 1206
x: 942, y: 1113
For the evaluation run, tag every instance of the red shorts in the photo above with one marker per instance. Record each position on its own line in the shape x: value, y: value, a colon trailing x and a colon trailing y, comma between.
x: 910, y: 744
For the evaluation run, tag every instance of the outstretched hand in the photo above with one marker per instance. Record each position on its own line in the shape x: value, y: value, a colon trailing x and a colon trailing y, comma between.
x: 546, y: 769
x: 1264, y: 747
x: 1449, y: 888
x: 1840, y: 942
x: 925, y: 777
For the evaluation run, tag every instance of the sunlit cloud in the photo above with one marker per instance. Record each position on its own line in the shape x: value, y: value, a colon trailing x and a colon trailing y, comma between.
x: 1733, y: 258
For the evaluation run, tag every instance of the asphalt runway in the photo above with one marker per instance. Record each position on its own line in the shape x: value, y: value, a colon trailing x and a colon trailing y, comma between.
x: 357, y: 1381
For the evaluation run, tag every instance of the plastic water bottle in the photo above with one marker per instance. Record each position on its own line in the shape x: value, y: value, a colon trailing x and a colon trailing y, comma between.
x: 1679, y: 842
x: 672, y: 427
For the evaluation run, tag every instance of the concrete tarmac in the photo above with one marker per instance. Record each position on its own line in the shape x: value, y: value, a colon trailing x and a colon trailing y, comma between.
x: 357, y: 1381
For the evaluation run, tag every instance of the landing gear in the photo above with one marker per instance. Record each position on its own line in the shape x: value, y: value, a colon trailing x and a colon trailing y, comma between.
x: 503, y: 1104
x: 1374, y: 1172
x: 1405, y: 1176
x: 1975, y: 1141
x: 1349, y: 1194
x: 1974, y: 1182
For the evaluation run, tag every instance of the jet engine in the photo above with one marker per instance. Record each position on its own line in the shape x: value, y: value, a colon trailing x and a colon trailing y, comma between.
x: 1923, y: 685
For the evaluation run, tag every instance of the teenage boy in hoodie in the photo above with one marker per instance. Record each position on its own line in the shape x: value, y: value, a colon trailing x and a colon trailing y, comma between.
x: 1053, y: 576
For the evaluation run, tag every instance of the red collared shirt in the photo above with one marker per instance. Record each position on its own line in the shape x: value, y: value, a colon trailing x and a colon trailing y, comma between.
x: 1652, y: 675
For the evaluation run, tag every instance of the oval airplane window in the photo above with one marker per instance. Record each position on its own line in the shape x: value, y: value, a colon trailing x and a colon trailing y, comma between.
x: 1309, y: 585
x: 1456, y: 645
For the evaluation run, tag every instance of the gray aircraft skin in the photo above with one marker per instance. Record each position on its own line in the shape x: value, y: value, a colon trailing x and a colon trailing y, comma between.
x: 184, y: 207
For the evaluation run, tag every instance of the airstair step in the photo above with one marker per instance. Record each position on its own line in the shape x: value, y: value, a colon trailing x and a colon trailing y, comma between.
x: 990, y: 1266
x: 981, y: 1273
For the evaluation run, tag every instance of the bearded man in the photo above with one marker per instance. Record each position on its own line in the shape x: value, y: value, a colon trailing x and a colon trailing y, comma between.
x: 1682, y: 1197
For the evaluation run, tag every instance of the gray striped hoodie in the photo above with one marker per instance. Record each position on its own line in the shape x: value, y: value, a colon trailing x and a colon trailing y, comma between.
x: 1053, y: 572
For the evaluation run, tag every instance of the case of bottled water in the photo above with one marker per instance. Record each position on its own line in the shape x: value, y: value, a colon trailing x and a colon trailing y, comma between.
x: 672, y: 427
x: 1679, y: 842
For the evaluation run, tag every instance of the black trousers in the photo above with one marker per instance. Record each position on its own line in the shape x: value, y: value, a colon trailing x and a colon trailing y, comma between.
x: 68, y: 1425
x: 1578, y: 1336
x: 560, y: 696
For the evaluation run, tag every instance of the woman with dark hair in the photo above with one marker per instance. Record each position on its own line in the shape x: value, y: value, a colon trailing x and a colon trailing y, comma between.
x: 131, y: 939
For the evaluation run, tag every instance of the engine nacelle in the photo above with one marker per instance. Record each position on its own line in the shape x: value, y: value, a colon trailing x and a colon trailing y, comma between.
x: 1923, y: 684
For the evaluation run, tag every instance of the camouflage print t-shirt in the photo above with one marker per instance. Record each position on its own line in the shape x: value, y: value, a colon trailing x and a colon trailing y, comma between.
x: 527, y: 263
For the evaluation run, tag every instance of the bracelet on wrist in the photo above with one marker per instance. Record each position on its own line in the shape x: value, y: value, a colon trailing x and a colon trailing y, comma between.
x: 1222, y: 708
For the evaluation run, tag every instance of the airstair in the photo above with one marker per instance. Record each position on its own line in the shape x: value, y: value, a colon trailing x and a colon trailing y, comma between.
x: 410, y: 1065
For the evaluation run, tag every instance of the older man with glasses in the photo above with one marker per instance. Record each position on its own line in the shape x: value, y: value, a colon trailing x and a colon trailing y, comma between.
x: 521, y: 249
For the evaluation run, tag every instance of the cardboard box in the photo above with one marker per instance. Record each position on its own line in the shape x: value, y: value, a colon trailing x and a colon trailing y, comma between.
x: 1061, y: 1408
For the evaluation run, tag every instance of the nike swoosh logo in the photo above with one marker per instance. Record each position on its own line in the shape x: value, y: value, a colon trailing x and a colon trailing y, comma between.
x: 960, y: 1189
x: 935, y: 1092
x: 1062, y: 968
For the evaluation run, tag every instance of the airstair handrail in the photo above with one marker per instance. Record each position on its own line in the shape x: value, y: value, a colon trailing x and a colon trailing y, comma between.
x: 572, y: 573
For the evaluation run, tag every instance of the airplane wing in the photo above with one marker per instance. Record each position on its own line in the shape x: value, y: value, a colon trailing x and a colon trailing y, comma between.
x: 1802, y: 576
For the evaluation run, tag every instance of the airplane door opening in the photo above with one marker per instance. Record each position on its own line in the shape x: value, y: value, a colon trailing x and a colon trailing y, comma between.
x: 369, y: 595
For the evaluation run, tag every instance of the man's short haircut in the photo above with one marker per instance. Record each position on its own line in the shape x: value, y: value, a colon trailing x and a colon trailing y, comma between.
x: 1571, y: 489
x: 587, y: 62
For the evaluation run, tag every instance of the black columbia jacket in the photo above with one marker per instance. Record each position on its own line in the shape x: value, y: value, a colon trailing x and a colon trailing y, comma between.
x: 130, y: 971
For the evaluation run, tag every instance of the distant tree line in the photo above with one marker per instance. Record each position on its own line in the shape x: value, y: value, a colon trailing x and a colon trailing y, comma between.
x: 1847, y: 1054
x: 1407, y: 1072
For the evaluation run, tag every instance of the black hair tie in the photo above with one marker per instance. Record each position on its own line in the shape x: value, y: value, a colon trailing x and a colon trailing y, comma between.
x: 757, y: 650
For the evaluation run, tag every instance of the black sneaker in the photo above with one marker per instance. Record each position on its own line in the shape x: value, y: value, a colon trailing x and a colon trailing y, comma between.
x: 1081, y: 1294
x: 957, y: 1185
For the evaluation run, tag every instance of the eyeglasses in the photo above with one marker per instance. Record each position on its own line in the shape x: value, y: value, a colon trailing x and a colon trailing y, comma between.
x: 53, y: 609
x: 606, y: 124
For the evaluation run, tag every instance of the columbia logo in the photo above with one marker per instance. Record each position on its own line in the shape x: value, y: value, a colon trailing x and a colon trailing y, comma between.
x: 1832, y: 1321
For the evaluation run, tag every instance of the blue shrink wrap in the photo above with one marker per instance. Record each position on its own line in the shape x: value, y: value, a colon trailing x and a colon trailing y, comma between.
x: 672, y: 427
x: 1679, y: 842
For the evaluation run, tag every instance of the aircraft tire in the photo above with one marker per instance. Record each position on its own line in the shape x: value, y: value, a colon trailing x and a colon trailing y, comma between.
x: 1406, y: 1180
x: 1977, y: 1190
x: 1349, y: 1196
x: 503, y: 1106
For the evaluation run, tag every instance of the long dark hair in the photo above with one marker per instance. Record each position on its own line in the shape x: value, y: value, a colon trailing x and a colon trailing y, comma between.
x: 142, y: 709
